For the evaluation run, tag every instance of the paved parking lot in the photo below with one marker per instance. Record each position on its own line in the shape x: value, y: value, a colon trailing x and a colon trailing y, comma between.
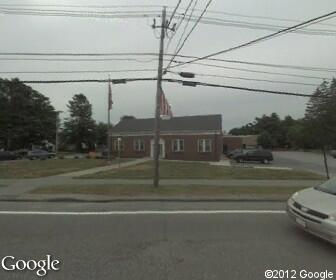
x: 305, y: 160
x: 308, y: 161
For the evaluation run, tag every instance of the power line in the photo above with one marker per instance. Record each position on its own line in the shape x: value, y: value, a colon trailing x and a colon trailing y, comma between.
x: 80, y: 59
x: 82, y: 6
x: 247, y: 79
x: 79, y: 71
x: 272, y: 65
x: 174, y: 12
x: 261, y: 26
x: 267, y: 37
x: 186, y: 25
x: 141, y: 14
x: 245, y: 89
x: 74, y: 54
x: 126, y: 14
x: 88, y: 81
x: 261, y: 17
x: 81, y: 14
x: 258, y: 71
x: 153, y: 6
x: 190, y: 32
x: 179, y: 24
x: 285, y: 93
x: 77, y: 11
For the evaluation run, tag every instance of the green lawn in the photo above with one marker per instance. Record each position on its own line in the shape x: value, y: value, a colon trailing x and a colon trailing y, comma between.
x: 42, y: 168
x: 167, y: 191
x: 192, y: 170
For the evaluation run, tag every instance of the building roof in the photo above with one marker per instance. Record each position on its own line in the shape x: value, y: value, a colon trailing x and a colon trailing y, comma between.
x: 202, y: 123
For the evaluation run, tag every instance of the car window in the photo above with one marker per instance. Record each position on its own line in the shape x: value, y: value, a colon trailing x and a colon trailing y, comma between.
x: 328, y: 186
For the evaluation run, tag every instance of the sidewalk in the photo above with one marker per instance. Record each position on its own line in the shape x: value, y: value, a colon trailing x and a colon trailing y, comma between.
x: 103, y: 168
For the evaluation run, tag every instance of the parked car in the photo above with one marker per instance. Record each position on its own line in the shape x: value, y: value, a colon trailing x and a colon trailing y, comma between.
x: 314, y: 210
x: 7, y: 155
x: 234, y: 152
x: 333, y: 153
x: 39, y: 154
x: 22, y: 153
x: 263, y: 156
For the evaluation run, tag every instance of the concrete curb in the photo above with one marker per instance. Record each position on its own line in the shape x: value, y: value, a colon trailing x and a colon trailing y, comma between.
x: 97, y: 199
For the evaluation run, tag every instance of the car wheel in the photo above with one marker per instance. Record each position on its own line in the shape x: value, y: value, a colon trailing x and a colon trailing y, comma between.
x: 265, y: 161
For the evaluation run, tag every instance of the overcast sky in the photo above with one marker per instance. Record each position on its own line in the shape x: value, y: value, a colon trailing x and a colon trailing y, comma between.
x: 68, y: 34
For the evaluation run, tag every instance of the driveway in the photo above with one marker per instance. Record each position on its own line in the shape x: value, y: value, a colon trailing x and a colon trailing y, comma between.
x: 305, y: 161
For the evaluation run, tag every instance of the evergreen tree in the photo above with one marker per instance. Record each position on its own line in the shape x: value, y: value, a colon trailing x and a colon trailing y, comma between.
x: 79, y: 128
x: 321, y: 118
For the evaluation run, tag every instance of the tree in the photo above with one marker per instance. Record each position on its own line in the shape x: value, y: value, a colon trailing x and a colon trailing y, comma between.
x: 101, y: 134
x: 272, y: 130
x: 79, y: 128
x: 321, y: 117
x: 26, y: 116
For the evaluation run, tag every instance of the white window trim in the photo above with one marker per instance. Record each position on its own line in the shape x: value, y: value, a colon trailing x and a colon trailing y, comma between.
x: 118, y: 145
x: 179, y: 150
x: 137, y: 144
x: 203, y: 143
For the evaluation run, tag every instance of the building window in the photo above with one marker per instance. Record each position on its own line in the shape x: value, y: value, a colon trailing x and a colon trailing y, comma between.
x: 178, y: 145
x: 118, y: 145
x: 139, y: 145
x: 204, y: 145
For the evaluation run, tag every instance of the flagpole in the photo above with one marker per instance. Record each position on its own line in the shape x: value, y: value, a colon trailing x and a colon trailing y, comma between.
x: 109, y: 133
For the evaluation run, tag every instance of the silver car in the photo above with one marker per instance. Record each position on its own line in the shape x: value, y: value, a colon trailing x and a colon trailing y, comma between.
x: 314, y: 210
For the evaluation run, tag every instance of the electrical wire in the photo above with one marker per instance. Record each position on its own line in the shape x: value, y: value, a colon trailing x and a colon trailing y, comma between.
x: 174, y: 12
x: 261, y: 26
x: 247, y: 79
x: 258, y: 71
x: 267, y: 37
x: 140, y: 14
x: 58, y: 59
x: 78, y: 71
x: 88, y: 81
x: 188, y: 35
x: 178, y: 25
x: 154, y: 6
x: 284, y: 93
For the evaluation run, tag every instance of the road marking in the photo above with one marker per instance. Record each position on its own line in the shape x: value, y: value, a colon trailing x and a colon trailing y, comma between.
x: 145, y: 212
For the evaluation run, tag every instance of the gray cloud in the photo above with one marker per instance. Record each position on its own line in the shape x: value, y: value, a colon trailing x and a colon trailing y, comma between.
x: 60, y: 34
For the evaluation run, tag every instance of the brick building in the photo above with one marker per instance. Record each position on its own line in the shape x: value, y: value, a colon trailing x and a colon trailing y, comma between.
x: 196, y: 138
x: 232, y: 142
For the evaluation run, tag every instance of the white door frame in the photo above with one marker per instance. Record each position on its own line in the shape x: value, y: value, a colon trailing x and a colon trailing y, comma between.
x: 163, y: 150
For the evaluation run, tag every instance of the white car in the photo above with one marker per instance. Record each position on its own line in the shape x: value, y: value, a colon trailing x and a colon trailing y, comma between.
x: 314, y: 210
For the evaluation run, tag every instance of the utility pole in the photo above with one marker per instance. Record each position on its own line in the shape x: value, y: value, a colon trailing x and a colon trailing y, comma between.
x: 109, y: 133
x: 158, y: 98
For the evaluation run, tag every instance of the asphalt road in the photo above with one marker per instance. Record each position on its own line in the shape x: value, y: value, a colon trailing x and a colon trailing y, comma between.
x: 305, y: 160
x: 178, y: 245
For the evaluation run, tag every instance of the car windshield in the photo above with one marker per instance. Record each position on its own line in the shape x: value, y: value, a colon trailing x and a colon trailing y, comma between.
x: 328, y: 186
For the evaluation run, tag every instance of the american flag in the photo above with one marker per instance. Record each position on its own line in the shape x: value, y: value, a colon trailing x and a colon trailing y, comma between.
x: 165, y: 108
x: 110, y: 102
